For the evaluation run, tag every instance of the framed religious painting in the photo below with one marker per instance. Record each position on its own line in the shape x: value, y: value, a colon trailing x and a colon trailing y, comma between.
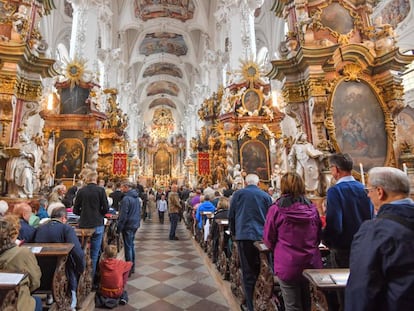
x: 255, y: 158
x: 252, y: 100
x: 362, y: 124
x: 69, y: 158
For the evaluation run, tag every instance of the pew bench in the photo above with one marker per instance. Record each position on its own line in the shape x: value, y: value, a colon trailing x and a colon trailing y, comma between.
x: 51, y: 258
x: 85, y: 280
x: 322, y: 281
x: 9, y: 289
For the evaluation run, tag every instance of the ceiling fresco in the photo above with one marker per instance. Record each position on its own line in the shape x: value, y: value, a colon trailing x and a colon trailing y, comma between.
x: 395, y: 12
x: 163, y: 42
x: 162, y: 102
x: 161, y: 87
x: 163, y: 68
x: 182, y: 10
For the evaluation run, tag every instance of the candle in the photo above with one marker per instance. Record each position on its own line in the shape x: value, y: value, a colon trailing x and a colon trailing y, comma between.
x: 361, y: 169
x: 73, y: 181
x: 405, y: 169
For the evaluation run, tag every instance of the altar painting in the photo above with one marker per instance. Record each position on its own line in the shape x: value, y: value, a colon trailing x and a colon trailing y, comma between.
x: 162, y: 163
x: 255, y: 159
x: 69, y: 158
x: 359, y: 124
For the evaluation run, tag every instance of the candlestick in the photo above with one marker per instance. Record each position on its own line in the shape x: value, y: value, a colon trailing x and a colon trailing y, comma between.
x: 405, y: 169
x: 361, y: 169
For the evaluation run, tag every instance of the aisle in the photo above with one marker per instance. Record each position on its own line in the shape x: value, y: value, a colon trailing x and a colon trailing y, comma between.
x: 172, y: 275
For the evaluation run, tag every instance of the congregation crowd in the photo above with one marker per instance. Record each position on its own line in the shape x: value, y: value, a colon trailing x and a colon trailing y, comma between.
x: 367, y: 228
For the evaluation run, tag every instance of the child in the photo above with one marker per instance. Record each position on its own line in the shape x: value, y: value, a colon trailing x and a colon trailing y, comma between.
x: 114, y: 276
x: 162, y: 207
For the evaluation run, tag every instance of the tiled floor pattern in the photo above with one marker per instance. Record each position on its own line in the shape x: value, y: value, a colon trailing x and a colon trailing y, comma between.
x: 173, y: 275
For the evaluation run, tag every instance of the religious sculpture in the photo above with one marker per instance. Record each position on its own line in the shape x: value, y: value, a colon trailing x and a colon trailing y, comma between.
x: 237, y: 177
x: 20, y: 175
x: 304, y: 158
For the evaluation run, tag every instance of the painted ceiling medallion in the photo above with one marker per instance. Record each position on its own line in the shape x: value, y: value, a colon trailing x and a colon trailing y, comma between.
x: 74, y: 71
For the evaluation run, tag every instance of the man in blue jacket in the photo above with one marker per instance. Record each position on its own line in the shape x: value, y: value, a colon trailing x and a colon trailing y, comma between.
x: 57, y: 231
x: 247, y: 215
x: 129, y: 220
x: 382, y: 262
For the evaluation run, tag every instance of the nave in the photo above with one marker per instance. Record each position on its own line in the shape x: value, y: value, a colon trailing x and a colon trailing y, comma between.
x: 174, y: 275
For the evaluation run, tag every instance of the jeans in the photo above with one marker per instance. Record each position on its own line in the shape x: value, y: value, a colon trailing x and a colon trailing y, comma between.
x: 129, y: 236
x: 161, y: 216
x: 38, y: 305
x: 250, y: 267
x: 174, y: 221
x: 96, y: 244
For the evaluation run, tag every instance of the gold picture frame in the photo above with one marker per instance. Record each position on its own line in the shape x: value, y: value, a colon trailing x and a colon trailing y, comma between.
x: 252, y: 100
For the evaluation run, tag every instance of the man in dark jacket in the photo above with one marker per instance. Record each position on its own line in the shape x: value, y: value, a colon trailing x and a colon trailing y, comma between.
x: 129, y: 220
x: 57, y: 231
x: 91, y: 204
x: 381, y: 264
x: 247, y: 215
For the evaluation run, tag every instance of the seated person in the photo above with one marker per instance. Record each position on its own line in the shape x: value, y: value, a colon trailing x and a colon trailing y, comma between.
x: 206, y: 206
x: 21, y: 260
x: 114, y: 276
x: 24, y: 212
x: 57, y: 231
x: 222, y: 212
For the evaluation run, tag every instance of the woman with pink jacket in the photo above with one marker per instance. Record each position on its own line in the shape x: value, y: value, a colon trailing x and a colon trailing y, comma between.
x: 292, y: 230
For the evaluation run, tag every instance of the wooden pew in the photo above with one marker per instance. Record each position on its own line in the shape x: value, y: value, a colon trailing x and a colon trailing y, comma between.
x: 236, y: 284
x: 204, y: 217
x: 324, y: 280
x: 85, y: 280
x: 267, y: 295
x: 9, y: 289
x: 110, y: 236
x: 53, y: 279
x: 223, y: 253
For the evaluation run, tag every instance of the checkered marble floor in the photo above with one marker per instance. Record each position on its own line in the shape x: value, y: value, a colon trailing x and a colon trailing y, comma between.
x: 173, y: 275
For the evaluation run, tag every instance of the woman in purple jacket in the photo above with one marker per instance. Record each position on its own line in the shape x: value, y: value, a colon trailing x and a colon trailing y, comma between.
x: 292, y: 230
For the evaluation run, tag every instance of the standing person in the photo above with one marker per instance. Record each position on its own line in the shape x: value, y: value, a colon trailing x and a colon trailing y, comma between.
x: 91, y: 204
x: 381, y: 266
x: 347, y: 206
x: 57, y: 231
x: 174, y: 208
x: 151, y: 205
x: 162, y: 207
x: 247, y: 215
x: 292, y: 230
x: 20, y: 260
x: 116, y: 196
x: 129, y: 220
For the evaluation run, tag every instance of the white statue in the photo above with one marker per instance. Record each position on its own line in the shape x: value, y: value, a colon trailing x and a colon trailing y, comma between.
x: 237, y: 177
x: 304, y: 158
x: 275, y: 178
x: 20, y: 175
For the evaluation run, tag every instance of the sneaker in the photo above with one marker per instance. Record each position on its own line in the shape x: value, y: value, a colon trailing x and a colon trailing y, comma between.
x: 49, y: 299
x: 123, y: 301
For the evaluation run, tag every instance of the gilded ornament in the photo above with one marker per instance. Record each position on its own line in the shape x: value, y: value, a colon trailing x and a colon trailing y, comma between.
x: 74, y: 71
x: 352, y: 72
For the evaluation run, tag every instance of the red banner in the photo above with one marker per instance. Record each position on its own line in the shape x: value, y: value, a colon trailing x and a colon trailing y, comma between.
x: 119, y: 164
x: 203, y: 163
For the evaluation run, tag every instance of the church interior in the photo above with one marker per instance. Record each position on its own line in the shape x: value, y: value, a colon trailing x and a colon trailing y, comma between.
x: 201, y: 93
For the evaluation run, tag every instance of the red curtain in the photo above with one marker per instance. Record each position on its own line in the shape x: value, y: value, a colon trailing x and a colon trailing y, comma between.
x: 203, y: 163
x: 119, y: 164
